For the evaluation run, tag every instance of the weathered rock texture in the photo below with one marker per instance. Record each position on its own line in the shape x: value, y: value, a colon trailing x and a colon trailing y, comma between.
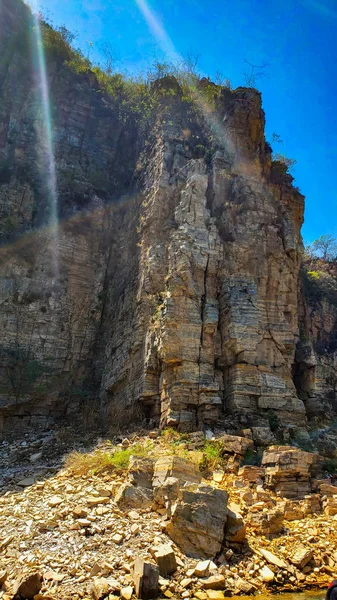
x: 173, y: 279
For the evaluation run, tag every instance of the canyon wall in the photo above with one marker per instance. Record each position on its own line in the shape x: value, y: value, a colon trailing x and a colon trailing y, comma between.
x: 172, y: 282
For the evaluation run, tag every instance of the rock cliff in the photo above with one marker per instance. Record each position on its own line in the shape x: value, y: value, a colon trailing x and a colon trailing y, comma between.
x: 172, y: 281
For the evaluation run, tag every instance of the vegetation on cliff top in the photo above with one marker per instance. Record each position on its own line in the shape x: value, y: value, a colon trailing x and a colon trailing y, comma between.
x: 319, y: 273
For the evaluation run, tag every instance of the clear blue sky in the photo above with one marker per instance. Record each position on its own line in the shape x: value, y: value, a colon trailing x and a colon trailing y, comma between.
x: 298, y: 38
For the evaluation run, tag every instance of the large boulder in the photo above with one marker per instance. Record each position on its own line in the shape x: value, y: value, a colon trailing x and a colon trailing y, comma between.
x: 198, y: 520
x: 235, y: 529
x: 133, y: 496
x: 177, y: 467
x: 140, y: 471
x: 137, y: 492
x: 289, y: 471
x: 235, y: 444
x: 146, y: 578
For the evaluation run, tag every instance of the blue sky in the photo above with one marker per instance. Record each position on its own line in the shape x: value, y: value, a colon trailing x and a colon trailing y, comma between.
x: 298, y: 38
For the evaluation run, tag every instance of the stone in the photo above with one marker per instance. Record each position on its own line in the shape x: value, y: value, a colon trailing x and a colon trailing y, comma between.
x: 301, y: 557
x: 215, y: 594
x: 28, y: 586
x: 263, y: 436
x: 34, y: 458
x: 165, y: 559
x: 200, y: 595
x: 140, y: 471
x: 198, y: 520
x: 251, y: 474
x: 80, y: 512
x: 330, y: 506
x: 244, y: 586
x: 235, y: 528
x: 290, y: 471
x: 26, y: 482
x: 273, y: 559
x: 214, y: 582
x: 126, y: 592
x: 234, y: 444
x: 328, y: 490
x: 95, y: 500
x: 55, y: 501
x: 53, y: 576
x: 218, y: 476
x: 3, y: 576
x: 146, y: 579
x: 202, y: 569
x: 174, y: 466
x: 268, y: 523
x: 117, y: 538
x: 293, y: 510
x: 132, y: 496
x: 267, y: 574
x: 101, y: 587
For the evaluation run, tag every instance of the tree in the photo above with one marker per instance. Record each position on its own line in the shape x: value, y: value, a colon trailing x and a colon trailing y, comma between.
x: 252, y: 76
x: 324, y: 247
x: 289, y: 163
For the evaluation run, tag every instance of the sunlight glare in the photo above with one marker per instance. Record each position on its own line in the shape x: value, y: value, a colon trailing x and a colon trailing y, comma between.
x: 46, y: 141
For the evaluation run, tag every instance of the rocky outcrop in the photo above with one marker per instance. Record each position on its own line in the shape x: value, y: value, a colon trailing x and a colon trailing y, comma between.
x: 290, y: 471
x: 171, y: 281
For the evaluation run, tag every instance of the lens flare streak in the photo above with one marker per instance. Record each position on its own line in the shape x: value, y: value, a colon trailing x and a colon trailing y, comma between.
x: 46, y: 138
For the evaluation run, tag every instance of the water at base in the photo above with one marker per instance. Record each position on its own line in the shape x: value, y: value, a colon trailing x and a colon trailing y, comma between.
x: 307, y: 595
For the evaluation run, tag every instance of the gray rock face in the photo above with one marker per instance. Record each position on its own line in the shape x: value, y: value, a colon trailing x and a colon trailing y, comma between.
x: 171, y: 282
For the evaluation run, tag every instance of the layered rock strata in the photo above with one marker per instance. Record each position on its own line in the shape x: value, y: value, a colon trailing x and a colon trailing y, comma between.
x: 171, y: 283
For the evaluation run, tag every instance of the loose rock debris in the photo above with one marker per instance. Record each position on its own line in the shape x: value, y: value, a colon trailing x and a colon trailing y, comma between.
x: 67, y: 535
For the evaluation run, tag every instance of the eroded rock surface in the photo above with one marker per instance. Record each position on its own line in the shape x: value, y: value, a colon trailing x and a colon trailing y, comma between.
x: 171, y: 282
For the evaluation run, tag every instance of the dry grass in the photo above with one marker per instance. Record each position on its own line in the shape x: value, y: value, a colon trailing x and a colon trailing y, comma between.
x: 105, y: 460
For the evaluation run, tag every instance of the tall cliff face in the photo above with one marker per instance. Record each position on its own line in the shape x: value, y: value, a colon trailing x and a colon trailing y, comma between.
x: 178, y: 253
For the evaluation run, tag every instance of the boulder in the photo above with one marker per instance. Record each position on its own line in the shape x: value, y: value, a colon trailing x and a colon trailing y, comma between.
x: 174, y: 466
x: 140, y: 471
x: 330, y: 506
x: 290, y: 471
x: 263, y: 436
x: 214, y: 582
x: 165, y: 559
x: 273, y: 559
x: 101, y: 587
x: 28, y: 586
x: 327, y: 489
x: 293, y: 510
x: 146, y: 579
x: 132, y: 496
x: 251, y: 474
x: 235, y: 529
x: 269, y: 522
x: 301, y: 557
x: 235, y: 444
x: 198, y: 520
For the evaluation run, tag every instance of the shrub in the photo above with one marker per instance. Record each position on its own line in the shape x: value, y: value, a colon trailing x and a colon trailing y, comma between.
x: 212, y: 456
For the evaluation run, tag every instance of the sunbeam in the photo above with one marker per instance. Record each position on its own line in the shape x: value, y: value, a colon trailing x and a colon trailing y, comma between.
x: 168, y: 48
x: 46, y: 134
